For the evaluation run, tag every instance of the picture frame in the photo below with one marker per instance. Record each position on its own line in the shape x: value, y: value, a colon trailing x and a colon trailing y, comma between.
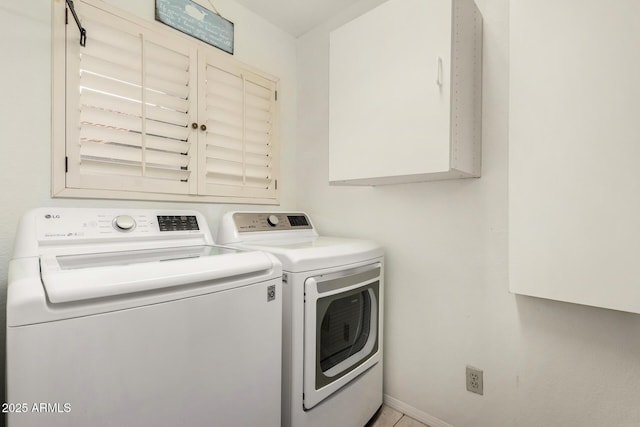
x: 196, y: 21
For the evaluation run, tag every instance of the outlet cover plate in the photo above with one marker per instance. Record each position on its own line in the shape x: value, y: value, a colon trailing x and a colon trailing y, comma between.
x: 474, y: 380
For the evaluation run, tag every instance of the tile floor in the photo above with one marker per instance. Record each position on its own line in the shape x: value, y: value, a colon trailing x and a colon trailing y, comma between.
x: 389, y: 417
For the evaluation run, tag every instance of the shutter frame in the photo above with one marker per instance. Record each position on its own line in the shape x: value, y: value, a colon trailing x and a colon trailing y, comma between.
x: 67, y: 181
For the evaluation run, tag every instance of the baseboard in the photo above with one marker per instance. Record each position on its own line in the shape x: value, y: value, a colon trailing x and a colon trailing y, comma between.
x: 414, y: 413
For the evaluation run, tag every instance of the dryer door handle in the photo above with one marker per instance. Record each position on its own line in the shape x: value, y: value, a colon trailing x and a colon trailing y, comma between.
x: 345, y: 280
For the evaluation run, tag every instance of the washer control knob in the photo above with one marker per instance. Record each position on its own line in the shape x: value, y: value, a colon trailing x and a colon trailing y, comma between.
x: 124, y: 223
x: 273, y: 220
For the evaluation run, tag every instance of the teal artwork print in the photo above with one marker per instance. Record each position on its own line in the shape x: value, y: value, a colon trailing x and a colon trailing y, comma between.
x: 199, y: 22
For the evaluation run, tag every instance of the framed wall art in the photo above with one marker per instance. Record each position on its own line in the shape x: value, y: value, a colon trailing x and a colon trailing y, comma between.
x: 196, y: 21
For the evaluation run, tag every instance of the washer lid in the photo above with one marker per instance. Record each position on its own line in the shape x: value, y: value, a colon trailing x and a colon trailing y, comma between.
x: 69, y: 278
x: 106, y: 259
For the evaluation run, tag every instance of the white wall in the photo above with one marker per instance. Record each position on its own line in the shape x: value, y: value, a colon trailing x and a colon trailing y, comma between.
x: 447, y: 303
x: 25, y: 85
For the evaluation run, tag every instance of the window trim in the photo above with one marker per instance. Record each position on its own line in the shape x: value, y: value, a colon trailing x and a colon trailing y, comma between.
x: 59, y: 187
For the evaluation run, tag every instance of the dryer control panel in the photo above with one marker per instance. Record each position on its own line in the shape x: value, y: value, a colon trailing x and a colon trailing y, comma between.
x: 270, y: 221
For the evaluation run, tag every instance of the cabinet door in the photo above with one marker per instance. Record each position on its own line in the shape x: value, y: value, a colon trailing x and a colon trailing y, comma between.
x: 390, y: 91
x: 238, y: 143
x: 128, y: 108
x: 574, y: 181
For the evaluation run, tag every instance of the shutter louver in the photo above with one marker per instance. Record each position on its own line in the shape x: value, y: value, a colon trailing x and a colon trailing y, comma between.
x: 239, y: 111
x: 133, y: 111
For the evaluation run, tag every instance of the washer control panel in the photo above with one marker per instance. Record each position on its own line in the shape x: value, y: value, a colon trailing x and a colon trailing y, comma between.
x: 77, y: 224
x: 178, y: 223
x: 270, y: 221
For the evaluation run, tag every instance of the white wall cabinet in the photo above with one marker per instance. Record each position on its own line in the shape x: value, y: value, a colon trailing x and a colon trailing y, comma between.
x: 574, y: 180
x: 405, y: 94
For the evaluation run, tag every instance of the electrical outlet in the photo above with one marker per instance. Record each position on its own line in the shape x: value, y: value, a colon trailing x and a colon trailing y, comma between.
x: 474, y: 380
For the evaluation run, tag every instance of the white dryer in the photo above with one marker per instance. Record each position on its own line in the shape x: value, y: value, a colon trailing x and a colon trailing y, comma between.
x: 332, y: 317
x: 134, y: 318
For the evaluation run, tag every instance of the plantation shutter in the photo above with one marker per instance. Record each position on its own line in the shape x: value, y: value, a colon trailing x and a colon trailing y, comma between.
x: 145, y: 112
x: 129, y: 108
x: 238, y: 151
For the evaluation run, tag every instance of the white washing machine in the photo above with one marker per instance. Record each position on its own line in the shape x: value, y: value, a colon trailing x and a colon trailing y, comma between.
x: 134, y: 318
x: 332, y: 317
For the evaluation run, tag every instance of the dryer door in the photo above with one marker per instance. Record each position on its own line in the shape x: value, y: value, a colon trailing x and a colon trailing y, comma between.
x: 341, y: 327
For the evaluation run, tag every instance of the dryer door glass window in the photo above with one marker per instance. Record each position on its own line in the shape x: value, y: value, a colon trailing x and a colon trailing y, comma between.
x: 346, y: 332
x: 344, y: 328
